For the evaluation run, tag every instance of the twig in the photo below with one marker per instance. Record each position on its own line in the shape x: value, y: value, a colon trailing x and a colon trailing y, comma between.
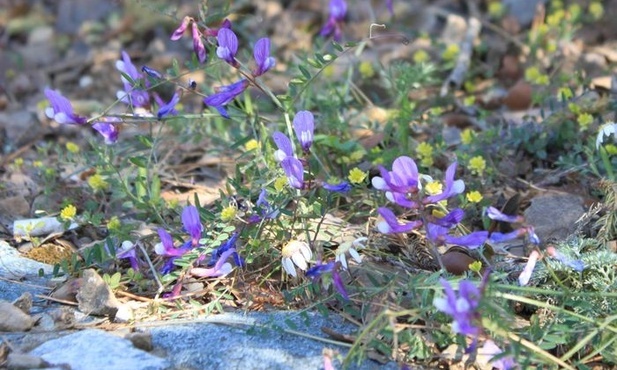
x: 63, y: 301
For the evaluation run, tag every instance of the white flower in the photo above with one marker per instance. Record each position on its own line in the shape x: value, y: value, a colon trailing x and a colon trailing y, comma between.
x: 349, y: 247
x: 606, y: 130
x: 298, y: 253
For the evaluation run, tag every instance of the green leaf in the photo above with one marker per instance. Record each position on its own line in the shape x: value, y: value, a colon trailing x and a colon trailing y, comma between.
x: 337, y: 46
x: 314, y: 63
x: 139, y: 161
x: 297, y: 81
x: 305, y: 73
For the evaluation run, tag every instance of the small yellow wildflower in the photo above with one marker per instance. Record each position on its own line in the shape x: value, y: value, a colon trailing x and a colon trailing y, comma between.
x: 280, y: 184
x: 475, y: 266
x: 72, y: 147
x: 228, y: 213
x: 18, y: 162
x: 584, y: 120
x: 436, y: 111
x: 554, y: 19
x: 565, y: 93
x: 611, y: 149
x: 470, y: 100
x: 533, y: 75
x: 474, y: 196
x: 467, y: 136
x: 356, y: 176
x: 37, y: 164
x: 551, y: 47
x: 420, y: 56
x: 495, y: 9
x: 251, y: 145
x: 97, y: 182
x: 427, y: 162
x: 68, y: 212
x: 451, y: 52
x: 366, y: 69
x: 574, y: 108
x: 556, y: 4
x: 424, y: 149
x: 114, y: 224
x: 477, y: 165
x: 470, y: 86
x: 357, y: 155
x: 596, y: 10
x: 434, y: 187
x: 438, y: 213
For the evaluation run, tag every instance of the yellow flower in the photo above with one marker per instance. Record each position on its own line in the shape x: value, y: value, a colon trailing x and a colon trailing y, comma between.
x: 37, y: 164
x: 357, y: 155
x: 553, y: 20
x: 475, y: 266
x: 495, y: 9
x: 477, y: 165
x: 356, y: 176
x: 228, y: 213
x: 19, y: 162
x: 68, y: 212
x: 420, y: 56
x: 565, y: 93
x: 424, y: 150
x: 469, y: 100
x: 97, y: 182
x: 114, y: 224
x: 251, y: 145
x: 366, y: 69
x: 467, y: 136
x: 438, y: 213
x: 574, y: 108
x: 72, y: 147
x: 533, y: 75
x: 451, y: 52
x: 596, y: 10
x: 584, y: 120
x: 434, y: 187
x: 474, y: 196
x: 611, y: 149
x: 427, y: 162
x: 280, y: 184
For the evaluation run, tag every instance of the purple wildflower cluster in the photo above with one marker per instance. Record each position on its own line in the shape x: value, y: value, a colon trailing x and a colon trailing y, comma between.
x: 218, y: 265
x: 338, y: 11
x: 403, y: 187
x: 304, y: 127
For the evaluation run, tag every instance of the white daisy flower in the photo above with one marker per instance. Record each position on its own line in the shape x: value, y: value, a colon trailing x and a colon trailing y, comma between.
x: 351, y: 248
x: 298, y: 253
x: 606, y: 130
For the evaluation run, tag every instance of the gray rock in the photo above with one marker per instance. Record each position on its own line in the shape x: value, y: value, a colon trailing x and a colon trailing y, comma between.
x: 14, y: 319
x: 95, y: 297
x: 14, y: 266
x: 554, y: 215
x: 97, y: 350
x: 254, y: 341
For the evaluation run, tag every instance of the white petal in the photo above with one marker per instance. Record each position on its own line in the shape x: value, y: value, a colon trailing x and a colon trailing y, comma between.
x: 225, y: 269
x: 379, y: 183
x: 356, y: 256
x: 306, y: 252
x: 160, y: 249
x: 383, y: 227
x: 441, y: 304
x: 458, y: 187
x: 299, y: 261
x: 390, y: 196
x: 61, y: 117
x: 126, y: 245
x: 343, y: 259
x: 49, y: 112
x: 289, y: 267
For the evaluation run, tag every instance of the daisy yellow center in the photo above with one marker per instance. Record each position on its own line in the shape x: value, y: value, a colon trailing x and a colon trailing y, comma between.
x: 68, y: 212
x: 434, y: 187
x: 356, y: 175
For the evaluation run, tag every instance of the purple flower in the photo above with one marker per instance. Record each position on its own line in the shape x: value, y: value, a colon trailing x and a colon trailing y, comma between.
x: 228, y: 46
x: 220, y: 268
x: 304, y: 125
x: 341, y: 187
x: 400, y: 183
x: 390, y: 7
x: 127, y: 250
x: 490, y: 349
x: 230, y: 244
x: 168, y: 108
x: 151, y: 72
x: 495, y: 214
x: 261, y: 52
x: 177, y: 35
x: 452, y: 187
x: 198, y: 45
x: 317, y: 271
x: 224, y: 95
x: 461, y: 307
x: 391, y: 224
x: 265, y: 210
x: 166, y: 247
x: 439, y: 235
x: 338, y: 10
x: 192, y: 223
x: 294, y: 171
x: 131, y: 95
x: 108, y: 130
x: 61, y: 110
x: 284, y: 146
x: 576, y: 265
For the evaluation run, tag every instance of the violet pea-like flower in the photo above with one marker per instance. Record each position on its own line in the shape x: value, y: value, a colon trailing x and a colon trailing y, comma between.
x: 61, y: 110
x: 341, y: 187
x: 391, y: 224
x: 453, y: 187
x: 294, y: 170
x: 220, y: 268
x: 167, y: 108
x: 108, y: 129
x: 320, y: 269
x: 495, y: 214
x: 400, y: 183
x: 198, y: 44
x: 178, y: 32
x: 261, y: 52
x: 228, y: 46
x: 131, y: 95
x: 127, y: 251
x: 192, y: 223
x: 225, y: 95
x: 338, y: 10
x: 284, y: 146
x: 462, y: 307
x: 304, y: 126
